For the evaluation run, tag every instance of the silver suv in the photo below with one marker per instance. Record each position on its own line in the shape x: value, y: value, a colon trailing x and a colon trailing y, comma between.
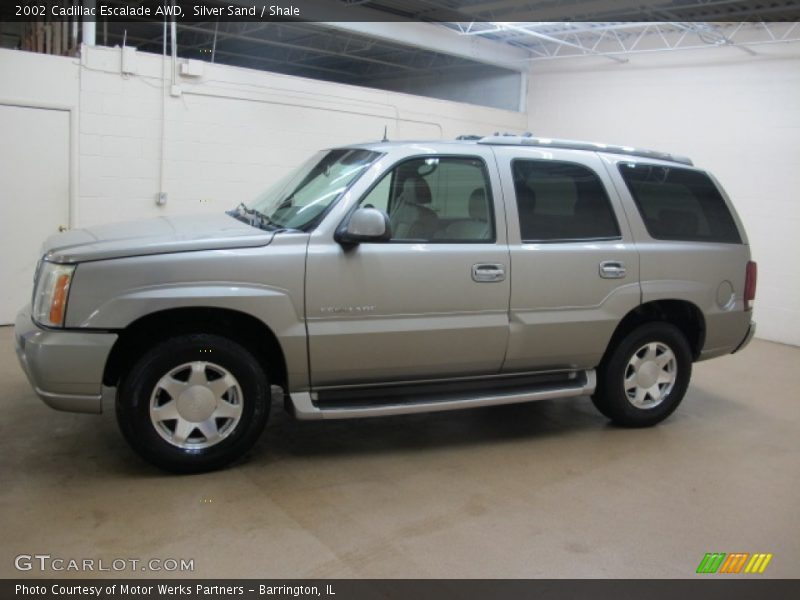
x: 390, y: 278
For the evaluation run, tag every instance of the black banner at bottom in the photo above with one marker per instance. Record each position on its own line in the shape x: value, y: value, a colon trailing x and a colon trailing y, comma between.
x: 418, y: 589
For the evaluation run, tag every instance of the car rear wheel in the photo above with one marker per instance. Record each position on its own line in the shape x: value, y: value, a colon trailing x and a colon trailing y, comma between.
x: 645, y: 377
x: 193, y: 403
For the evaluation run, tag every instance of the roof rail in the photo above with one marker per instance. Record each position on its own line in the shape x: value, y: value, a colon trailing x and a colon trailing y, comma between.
x: 526, y: 140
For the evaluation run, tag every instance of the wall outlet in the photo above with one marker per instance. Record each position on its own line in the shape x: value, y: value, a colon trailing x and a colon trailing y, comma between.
x: 161, y: 198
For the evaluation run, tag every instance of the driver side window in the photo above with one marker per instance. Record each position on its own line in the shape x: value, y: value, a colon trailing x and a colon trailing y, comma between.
x: 436, y: 200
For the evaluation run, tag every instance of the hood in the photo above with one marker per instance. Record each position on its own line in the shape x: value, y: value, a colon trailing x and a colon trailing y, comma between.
x: 154, y: 236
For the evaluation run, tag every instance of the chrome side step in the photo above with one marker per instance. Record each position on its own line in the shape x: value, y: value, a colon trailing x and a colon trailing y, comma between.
x: 305, y: 408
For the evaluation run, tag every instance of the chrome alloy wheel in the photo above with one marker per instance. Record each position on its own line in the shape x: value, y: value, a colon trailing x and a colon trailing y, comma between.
x: 196, y: 405
x: 650, y: 375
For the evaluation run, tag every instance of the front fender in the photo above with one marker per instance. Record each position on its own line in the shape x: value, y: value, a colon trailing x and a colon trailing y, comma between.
x: 265, y: 283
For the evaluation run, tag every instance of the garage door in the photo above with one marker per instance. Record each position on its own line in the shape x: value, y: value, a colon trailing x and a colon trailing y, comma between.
x: 34, y: 195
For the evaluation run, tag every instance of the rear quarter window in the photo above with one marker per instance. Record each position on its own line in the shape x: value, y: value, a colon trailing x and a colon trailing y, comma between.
x: 680, y: 204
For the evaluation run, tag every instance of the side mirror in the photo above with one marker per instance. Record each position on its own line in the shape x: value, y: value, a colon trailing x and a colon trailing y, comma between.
x: 365, y: 225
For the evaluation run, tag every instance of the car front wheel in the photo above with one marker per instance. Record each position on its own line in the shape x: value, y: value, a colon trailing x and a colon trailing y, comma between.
x: 193, y: 403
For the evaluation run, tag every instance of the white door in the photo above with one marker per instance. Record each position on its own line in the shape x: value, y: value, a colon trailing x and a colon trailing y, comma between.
x: 34, y: 195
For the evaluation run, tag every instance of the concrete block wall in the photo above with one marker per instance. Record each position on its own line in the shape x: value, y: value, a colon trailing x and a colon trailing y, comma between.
x: 226, y: 137
x: 230, y: 133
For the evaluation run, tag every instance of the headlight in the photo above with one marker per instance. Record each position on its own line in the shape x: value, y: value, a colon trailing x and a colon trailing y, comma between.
x: 50, y: 293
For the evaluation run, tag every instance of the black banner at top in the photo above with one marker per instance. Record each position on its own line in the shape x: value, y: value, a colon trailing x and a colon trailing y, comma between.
x: 507, y: 11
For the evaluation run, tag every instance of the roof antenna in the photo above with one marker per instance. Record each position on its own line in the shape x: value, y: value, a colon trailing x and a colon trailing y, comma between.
x: 385, y: 139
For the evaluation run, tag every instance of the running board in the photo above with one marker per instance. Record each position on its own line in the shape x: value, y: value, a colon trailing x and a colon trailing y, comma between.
x: 306, y: 409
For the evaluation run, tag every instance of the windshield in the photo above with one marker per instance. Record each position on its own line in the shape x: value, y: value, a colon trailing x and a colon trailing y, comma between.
x: 298, y: 199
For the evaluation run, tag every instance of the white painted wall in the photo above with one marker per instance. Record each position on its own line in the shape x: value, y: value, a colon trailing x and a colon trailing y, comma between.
x: 481, y: 85
x: 736, y: 115
x: 226, y: 137
x: 230, y: 133
x: 38, y: 78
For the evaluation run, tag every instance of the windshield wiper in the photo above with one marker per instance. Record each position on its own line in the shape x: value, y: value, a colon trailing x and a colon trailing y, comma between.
x: 253, y: 217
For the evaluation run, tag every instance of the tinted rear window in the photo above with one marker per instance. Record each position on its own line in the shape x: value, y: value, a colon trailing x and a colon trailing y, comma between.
x: 680, y: 204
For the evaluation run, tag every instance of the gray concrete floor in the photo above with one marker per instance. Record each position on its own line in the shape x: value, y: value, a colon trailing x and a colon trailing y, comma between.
x: 546, y: 489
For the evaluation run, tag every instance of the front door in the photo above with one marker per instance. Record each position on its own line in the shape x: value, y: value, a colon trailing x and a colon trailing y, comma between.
x: 430, y: 303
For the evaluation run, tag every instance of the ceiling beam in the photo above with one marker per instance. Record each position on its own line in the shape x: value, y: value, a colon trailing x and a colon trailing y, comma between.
x: 561, y: 42
x: 542, y: 11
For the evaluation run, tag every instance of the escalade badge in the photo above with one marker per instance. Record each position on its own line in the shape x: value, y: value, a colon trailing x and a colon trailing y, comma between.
x: 347, y: 309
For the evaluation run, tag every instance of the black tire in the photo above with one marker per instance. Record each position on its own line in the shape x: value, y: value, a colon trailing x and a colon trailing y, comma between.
x: 138, y: 387
x: 611, y: 398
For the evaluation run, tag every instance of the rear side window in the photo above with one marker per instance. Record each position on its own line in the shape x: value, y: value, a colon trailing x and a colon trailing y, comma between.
x: 560, y: 202
x: 680, y: 204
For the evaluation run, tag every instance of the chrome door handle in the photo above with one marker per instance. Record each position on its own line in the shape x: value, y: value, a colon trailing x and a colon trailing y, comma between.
x: 612, y: 269
x: 483, y: 272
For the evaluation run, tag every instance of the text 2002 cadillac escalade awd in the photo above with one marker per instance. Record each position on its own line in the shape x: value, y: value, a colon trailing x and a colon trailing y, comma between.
x: 390, y: 278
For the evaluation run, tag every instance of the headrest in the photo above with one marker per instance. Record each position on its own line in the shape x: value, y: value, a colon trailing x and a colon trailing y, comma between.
x: 416, y: 190
x: 478, y: 210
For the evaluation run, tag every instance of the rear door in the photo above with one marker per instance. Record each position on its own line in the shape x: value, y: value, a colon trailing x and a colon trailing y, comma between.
x: 575, y: 267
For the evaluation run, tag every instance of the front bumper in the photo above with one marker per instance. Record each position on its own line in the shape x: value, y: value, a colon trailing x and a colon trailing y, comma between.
x: 65, y: 368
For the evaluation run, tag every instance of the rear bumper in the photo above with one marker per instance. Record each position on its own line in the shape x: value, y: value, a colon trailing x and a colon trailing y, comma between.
x: 726, y: 332
x: 751, y: 331
x: 65, y: 368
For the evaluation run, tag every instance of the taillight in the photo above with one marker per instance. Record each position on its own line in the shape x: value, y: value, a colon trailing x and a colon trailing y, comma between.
x: 751, y: 275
